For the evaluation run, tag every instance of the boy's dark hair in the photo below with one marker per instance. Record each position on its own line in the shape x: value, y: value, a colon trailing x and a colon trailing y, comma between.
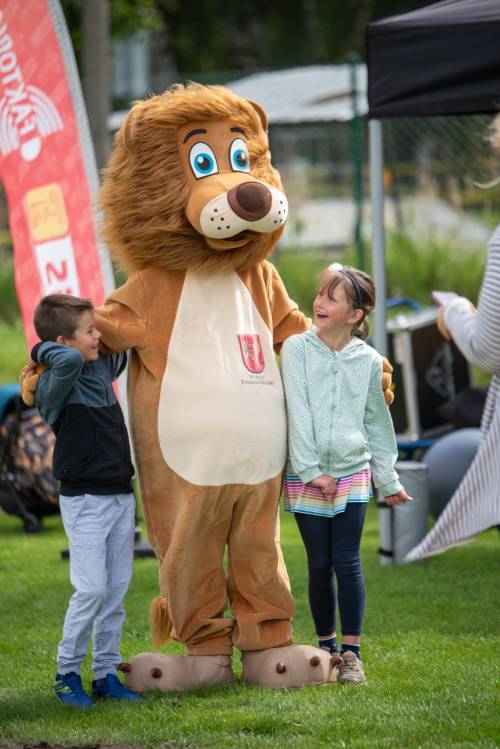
x: 59, y: 314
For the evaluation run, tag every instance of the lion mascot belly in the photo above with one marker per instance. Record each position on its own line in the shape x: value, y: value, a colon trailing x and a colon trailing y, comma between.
x: 231, y: 428
x: 191, y: 209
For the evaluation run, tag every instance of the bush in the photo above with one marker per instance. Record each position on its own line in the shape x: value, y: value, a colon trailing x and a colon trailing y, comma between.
x: 300, y: 271
x: 14, y: 352
x: 9, y: 307
x: 413, y: 269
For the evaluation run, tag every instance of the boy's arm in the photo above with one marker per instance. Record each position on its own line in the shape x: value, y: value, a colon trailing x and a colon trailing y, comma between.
x: 117, y: 364
x: 380, y: 432
x: 302, y: 445
x: 65, y: 364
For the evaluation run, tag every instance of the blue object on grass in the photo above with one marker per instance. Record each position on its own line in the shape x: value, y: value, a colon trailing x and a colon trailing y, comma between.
x: 111, y: 688
x: 447, y: 463
x: 403, y: 301
x: 69, y: 690
x: 7, y: 395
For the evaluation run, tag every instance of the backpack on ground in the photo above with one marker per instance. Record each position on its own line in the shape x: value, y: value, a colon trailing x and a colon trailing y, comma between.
x: 27, y: 487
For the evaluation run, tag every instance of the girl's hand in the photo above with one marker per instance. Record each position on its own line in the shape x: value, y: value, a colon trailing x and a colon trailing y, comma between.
x: 398, y: 499
x: 327, y: 484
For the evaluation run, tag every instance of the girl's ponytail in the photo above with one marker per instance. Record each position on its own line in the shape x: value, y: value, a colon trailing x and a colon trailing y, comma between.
x: 362, y: 329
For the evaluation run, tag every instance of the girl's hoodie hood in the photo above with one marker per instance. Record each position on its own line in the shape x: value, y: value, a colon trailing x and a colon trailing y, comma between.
x: 350, y: 349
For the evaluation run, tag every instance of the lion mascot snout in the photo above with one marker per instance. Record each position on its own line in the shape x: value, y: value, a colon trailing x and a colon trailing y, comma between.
x: 227, y: 205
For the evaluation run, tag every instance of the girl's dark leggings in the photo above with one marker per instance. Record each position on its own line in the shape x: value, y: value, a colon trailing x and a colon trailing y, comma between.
x: 332, y: 546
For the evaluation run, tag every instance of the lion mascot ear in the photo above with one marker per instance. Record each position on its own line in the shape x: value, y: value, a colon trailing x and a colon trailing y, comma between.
x: 261, y: 113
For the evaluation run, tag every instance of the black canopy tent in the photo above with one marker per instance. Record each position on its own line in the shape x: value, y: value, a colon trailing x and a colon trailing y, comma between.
x: 441, y: 59
x: 438, y: 60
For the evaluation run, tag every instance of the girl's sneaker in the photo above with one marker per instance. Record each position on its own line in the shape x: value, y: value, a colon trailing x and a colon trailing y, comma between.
x: 351, y: 669
x: 69, y: 690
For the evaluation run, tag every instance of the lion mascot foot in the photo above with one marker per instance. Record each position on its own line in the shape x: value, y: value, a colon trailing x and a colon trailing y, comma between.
x: 290, y: 666
x: 148, y: 672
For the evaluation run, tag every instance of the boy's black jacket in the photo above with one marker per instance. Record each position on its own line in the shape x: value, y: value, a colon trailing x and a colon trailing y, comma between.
x: 92, y: 451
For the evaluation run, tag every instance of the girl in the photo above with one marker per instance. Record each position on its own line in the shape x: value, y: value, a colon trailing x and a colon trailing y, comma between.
x: 340, y: 437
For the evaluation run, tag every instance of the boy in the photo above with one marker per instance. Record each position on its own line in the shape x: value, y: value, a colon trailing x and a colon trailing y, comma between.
x: 92, y: 462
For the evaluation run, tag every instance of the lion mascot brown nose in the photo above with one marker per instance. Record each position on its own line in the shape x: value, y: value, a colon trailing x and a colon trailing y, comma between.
x: 250, y: 200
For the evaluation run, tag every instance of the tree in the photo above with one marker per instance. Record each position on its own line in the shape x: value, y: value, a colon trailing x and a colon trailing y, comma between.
x: 248, y: 34
x: 92, y: 23
x: 95, y: 58
x: 217, y: 38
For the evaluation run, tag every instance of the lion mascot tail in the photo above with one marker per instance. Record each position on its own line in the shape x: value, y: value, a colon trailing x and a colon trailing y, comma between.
x: 160, y: 622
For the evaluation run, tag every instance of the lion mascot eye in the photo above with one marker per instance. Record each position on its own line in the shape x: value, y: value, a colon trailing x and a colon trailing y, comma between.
x: 202, y: 160
x: 238, y: 156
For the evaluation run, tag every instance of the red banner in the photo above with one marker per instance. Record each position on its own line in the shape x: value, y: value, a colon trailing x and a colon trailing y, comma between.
x: 44, y: 161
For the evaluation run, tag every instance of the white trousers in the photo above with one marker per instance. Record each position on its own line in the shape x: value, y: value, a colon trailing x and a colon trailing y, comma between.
x: 100, y: 530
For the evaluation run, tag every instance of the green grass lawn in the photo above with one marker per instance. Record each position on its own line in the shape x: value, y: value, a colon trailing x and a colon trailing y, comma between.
x: 432, y: 635
x: 430, y: 649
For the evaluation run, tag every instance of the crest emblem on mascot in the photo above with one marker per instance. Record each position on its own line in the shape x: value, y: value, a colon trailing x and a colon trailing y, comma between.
x: 251, y: 352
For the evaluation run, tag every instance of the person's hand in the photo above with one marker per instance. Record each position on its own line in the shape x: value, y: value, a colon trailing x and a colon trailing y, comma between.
x: 327, y: 484
x: 397, y: 499
x: 441, y: 325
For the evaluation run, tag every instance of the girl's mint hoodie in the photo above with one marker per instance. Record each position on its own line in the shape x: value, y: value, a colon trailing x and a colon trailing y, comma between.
x: 338, y: 420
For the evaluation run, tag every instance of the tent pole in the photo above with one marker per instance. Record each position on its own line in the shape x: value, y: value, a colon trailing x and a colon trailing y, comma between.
x: 378, y: 238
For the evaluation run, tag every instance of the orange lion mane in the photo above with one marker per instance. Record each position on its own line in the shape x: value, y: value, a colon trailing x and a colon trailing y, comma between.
x: 144, y: 191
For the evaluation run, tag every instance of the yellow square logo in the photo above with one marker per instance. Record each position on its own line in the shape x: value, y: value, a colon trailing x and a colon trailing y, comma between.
x: 46, y: 212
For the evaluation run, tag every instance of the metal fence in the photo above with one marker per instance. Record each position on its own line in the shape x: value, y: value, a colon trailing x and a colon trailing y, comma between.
x: 432, y: 170
x: 443, y: 158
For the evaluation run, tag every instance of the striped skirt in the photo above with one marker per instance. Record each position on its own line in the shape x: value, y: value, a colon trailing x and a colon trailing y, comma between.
x: 305, y: 498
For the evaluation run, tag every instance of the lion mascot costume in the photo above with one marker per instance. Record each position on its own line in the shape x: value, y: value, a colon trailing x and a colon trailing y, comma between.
x: 191, y: 209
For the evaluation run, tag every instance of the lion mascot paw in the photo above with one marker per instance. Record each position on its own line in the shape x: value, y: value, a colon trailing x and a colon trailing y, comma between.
x: 28, y: 381
x: 286, y: 667
x: 290, y: 667
x: 148, y: 672
x: 387, y: 384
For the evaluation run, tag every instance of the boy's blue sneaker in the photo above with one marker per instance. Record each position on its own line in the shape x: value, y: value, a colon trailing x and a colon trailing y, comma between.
x: 111, y: 688
x: 69, y: 690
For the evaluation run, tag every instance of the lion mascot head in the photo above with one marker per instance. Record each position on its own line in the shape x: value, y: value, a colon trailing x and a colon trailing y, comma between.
x: 190, y: 183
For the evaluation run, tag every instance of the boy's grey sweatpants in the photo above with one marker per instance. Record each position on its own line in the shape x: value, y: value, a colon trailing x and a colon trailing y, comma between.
x: 100, y: 530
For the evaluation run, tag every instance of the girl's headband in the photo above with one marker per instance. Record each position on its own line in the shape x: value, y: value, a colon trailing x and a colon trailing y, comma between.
x: 339, y: 268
